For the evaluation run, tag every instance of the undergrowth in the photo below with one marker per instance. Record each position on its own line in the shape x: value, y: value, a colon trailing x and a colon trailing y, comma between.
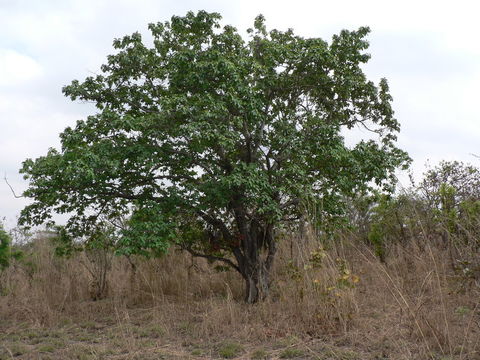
x: 413, y: 305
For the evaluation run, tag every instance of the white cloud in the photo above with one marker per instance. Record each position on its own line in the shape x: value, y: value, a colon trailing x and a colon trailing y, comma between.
x: 17, y: 69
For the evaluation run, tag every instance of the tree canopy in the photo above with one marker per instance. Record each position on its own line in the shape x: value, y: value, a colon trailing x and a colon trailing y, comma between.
x: 210, y: 141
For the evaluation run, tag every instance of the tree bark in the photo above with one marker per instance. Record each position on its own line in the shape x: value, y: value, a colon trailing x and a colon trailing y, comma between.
x: 257, y: 283
x: 255, y: 261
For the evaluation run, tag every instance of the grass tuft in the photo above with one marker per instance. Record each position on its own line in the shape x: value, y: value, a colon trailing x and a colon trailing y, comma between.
x: 230, y: 350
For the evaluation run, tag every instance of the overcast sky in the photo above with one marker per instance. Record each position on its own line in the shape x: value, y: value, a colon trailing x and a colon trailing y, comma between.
x: 428, y: 50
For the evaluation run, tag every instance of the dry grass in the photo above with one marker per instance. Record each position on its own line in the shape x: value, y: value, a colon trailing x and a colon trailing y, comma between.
x: 329, y: 302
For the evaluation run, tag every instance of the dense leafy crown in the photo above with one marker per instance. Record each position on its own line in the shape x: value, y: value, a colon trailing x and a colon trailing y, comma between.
x: 202, y: 126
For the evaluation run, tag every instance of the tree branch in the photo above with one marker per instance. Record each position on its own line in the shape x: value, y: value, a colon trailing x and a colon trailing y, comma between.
x: 11, y: 188
x: 215, y: 223
x: 291, y: 202
x: 211, y: 257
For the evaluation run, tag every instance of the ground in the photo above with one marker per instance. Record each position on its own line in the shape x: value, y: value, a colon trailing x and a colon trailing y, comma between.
x: 136, y: 336
x: 340, y: 304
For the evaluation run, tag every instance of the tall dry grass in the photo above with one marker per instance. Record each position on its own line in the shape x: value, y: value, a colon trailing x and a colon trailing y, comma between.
x: 413, y: 306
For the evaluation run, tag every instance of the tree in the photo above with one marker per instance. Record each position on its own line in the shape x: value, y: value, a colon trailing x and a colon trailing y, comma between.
x: 451, y: 190
x: 5, y: 250
x: 7, y: 253
x: 98, y: 249
x: 212, y: 142
x: 461, y: 180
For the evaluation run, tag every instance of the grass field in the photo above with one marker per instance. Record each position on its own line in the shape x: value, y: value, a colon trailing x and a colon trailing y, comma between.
x: 137, y: 336
x: 328, y: 302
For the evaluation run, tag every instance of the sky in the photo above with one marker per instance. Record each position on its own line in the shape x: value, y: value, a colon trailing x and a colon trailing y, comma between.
x: 428, y: 50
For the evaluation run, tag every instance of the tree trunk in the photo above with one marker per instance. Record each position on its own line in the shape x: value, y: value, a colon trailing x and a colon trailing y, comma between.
x: 254, y: 252
x: 255, y: 260
x: 257, y: 283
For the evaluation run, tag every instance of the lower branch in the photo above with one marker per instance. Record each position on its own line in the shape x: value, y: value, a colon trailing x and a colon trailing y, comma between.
x: 211, y: 257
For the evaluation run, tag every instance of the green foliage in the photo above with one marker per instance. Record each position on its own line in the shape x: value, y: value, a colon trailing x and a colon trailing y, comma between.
x: 383, y: 219
x: 291, y: 353
x: 444, y: 206
x: 469, y: 213
x: 230, y: 350
x: 7, y: 253
x: 452, y: 191
x: 66, y: 244
x: 210, y: 141
x: 376, y: 236
x: 452, y: 179
x: 388, y: 216
x: 259, y: 355
x: 448, y: 213
x: 316, y: 257
x: 147, y: 232
x: 4, y: 248
x: 462, y: 310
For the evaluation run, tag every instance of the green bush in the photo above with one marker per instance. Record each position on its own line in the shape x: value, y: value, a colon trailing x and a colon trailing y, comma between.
x: 6, y: 251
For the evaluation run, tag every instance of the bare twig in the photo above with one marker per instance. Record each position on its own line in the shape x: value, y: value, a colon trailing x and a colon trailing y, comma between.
x: 11, y: 188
